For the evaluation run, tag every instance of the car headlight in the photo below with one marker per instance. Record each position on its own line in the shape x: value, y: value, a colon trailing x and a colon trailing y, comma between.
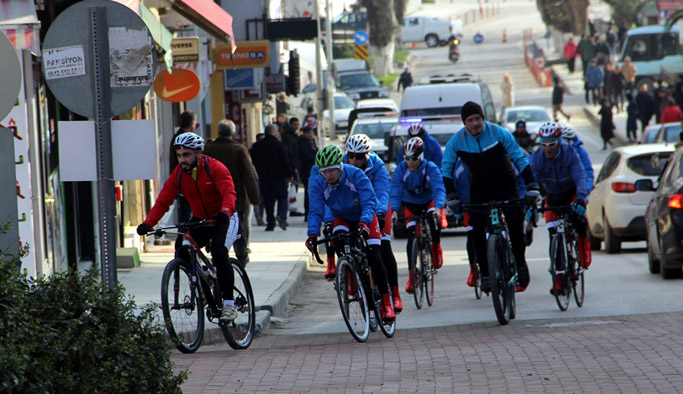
x: 355, y: 96
x: 384, y: 94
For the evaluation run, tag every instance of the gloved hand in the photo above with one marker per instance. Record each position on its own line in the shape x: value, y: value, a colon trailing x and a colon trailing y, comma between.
x: 311, y: 242
x: 579, y: 207
x: 221, y: 217
x: 380, y: 220
x: 144, y: 228
x: 532, y: 194
x: 363, y: 230
x: 531, y: 216
x: 327, y: 231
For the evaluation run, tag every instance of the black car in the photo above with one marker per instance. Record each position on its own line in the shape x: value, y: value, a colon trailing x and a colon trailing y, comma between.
x: 664, y: 219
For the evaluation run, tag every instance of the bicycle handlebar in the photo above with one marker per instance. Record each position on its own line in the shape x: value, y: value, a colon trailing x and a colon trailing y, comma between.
x: 161, y: 230
x: 555, y: 208
x: 332, y: 238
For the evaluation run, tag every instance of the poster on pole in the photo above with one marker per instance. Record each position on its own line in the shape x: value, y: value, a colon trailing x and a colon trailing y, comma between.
x: 130, y: 57
x: 64, y: 62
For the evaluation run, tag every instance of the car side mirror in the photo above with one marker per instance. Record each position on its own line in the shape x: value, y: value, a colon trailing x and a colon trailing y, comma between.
x: 381, y: 83
x: 644, y: 185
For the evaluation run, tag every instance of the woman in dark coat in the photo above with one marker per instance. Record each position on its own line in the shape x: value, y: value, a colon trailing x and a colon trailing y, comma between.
x: 631, y: 118
x: 606, y: 123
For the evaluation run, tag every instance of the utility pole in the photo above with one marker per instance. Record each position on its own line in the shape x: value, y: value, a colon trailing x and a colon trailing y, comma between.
x: 330, y: 79
x: 319, y: 99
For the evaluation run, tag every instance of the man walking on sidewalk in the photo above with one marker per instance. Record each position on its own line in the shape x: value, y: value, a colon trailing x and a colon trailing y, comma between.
x: 558, y: 99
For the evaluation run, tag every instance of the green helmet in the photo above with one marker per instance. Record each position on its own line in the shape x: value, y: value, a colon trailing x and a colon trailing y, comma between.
x: 328, y: 156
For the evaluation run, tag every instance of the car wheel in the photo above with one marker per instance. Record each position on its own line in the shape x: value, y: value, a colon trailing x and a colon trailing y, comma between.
x: 652, y: 262
x: 612, y: 241
x: 431, y: 40
x: 593, y: 241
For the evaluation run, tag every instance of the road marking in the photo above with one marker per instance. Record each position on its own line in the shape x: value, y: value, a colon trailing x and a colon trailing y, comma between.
x: 575, y: 323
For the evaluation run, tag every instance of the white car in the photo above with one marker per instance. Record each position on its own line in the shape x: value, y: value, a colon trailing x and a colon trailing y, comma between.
x: 534, y: 116
x: 375, y: 127
x: 375, y: 103
x: 432, y: 30
x: 616, y: 210
x: 343, y: 105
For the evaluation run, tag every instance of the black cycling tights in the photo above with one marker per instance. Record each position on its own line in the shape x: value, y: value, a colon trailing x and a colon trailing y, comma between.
x: 379, y: 273
x: 433, y: 228
x: 514, y: 217
x: 389, y: 262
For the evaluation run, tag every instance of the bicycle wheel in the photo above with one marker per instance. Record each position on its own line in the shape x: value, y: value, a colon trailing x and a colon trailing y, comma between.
x: 352, y: 300
x: 182, y: 306
x: 558, y: 266
x: 477, y: 281
x: 388, y: 328
x: 499, y: 273
x: 416, y: 273
x: 240, y: 333
x: 428, y: 272
x: 576, y: 273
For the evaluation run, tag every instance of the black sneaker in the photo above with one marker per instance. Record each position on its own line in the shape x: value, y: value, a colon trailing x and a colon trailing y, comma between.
x: 270, y: 228
x: 282, y: 223
x: 485, y: 284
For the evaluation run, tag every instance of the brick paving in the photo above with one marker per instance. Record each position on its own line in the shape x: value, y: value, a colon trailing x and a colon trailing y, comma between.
x: 624, y: 354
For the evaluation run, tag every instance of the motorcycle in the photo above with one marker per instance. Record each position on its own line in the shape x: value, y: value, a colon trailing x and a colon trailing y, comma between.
x: 453, y: 51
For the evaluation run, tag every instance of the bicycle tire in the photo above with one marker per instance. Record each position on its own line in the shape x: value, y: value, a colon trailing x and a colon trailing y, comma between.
x: 387, y: 328
x: 416, y: 274
x: 352, y: 300
x: 499, y: 278
x: 427, y: 269
x: 240, y: 333
x: 558, y: 262
x: 477, y: 280
x: 182, y: 306
x: 578, y: 284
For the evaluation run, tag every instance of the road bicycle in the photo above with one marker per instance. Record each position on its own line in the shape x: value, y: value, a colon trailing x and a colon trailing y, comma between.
x: 190, y: 291
x: 420, y: 264
x: 565, y: 269
x: 357, y: 292
x: 501, y: 261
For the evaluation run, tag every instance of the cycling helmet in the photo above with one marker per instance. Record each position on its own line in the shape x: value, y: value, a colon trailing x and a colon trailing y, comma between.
x: 189, y: 140
x: 329, y: 156
x: 568, y: 133
x: 550, y: 130
x: 414, y: 148
x: 414, y: 129
x: 358, y: 143
x: 520, y: 123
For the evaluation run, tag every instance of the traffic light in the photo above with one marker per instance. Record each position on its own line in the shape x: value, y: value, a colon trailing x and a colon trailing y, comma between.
x: 293, y: 77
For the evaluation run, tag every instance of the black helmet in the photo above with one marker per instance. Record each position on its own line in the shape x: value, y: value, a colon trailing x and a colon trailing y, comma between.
x: 520, y: 123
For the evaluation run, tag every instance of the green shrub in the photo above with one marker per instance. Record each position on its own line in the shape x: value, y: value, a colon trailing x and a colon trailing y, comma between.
x: 343, y: 51
x: 68, y: 333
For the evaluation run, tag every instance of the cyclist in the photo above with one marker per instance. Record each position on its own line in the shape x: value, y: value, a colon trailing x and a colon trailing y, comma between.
x: 571, y: 139
x: 524, y: 139
x: 417, y: 184
x: 352, y: 201
x: 208, y: 187
x: 432, y: 149
x: 491, y: 155
x: 560, y: 172
x: 358, y: 154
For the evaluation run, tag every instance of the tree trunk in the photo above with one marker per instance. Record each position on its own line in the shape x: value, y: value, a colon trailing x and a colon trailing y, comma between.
x: 399, y: 13
x: 383, y: 59
x: 382, y: 29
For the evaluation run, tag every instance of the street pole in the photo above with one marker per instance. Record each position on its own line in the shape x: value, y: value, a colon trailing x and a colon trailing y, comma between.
x: 330, y: 80
x: 319, y: 99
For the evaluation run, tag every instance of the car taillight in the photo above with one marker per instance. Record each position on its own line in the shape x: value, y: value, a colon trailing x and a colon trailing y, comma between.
x: 624, y: 187
x: 676, y: 201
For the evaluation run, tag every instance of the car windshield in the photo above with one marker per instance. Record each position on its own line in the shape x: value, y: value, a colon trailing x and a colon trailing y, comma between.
x: 649, y: 164
x: 341, y: 102
x: 361, y: 80
x: 672, y: 133
x: 651, y: 136
x: 528, y: 115
x: 372, y: 130
x: 431, y: 111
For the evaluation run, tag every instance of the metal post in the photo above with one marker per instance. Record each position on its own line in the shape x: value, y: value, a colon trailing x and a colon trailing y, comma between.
x: 330, y: 79
x: 105, y: 169
x: 319, y: 99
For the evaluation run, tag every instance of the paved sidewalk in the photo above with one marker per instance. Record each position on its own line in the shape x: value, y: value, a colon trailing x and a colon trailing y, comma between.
x: 278, y: 262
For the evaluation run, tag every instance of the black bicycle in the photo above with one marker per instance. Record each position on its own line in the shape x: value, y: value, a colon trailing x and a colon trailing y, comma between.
x: 565, y: 270
x: 501, y: 261
x: 357, y: 292
x: 189, y: 285
x: 420, y: 264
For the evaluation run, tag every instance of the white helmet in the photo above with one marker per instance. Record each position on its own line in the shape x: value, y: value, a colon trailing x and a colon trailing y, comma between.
x: 189, y: 140
x: 414, y: 129
x: 568, y: 133
x: 358, y: 143
x: 414, y: 148
x: 550, y: 130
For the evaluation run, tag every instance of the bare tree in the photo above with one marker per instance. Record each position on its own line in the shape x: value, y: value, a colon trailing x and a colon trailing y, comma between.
x: 567, y: 16
x: 383, y: 26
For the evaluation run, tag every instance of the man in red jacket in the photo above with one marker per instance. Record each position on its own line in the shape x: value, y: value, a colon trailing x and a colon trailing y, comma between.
x: 671, y: 113
x: 208, y: 187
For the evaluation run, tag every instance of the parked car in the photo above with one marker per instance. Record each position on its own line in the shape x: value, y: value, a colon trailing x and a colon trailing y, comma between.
x: 360, y: 85
x: 343, y: 105
x: 432, y: 30
x: 650, y: 134
x: 533, y: 115
x: 664, y: 219
x: 368, y: 103
x: 669, y: 132
x: 377, y: 128
x: 616, y: 209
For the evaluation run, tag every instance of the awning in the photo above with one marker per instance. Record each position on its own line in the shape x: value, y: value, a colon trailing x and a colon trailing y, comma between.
x: 209, y: 16
x: 160, y: 33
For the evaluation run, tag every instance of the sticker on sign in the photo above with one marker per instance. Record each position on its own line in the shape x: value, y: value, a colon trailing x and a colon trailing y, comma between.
x: 64, y: 62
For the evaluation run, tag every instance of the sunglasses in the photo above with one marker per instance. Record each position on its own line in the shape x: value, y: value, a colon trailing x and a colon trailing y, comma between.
x: 412, y: 158
x: 549, y: 144
x: 356, y: 156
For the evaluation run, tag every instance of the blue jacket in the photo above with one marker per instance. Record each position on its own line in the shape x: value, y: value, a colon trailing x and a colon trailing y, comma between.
x: 417, y: 187
x: 493, y: 159
x: 352, y: 198
x: 595, y: 77
x: 577, y: 144
x: 561, y: 175
x: 433, y: 151
x: 462, y: 183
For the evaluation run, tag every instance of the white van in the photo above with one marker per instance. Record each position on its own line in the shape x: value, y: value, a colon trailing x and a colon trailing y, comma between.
x: 656, y: 53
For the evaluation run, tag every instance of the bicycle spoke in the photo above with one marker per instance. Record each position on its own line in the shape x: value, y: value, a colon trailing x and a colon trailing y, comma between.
x: 182, y: 306
x: 352, y: 300
x: 240, y: 333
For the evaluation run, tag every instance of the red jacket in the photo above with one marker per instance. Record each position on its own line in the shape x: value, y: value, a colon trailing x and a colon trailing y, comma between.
x: 671, y: 113
x: 206, y: 196
x: 570, y: 50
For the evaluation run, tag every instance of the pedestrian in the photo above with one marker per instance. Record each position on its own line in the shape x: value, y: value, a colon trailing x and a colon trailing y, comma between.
x: 405, y: 79
x: 629, y: 70
x: 606, y: 123
x: 611, y: 42
x: 595, y: 80
x: 570, y: 54
x: 660, y: 92
x: 507, y: 87
x: 558, y: 99
x: 258, y: 211
x: 609, y: 83
x: 523, y: 138
x: 281, y: 105
x: 274, y: 171
x: 618, y: 93
x: 646, y: 107
x: 307, y: 151
x: 311, y: 119
x: 188, y: 123
x: 671, y: 112
x: 631, y: 118
x: 289, y: 134
x: 678, y: 92
x: 602, y: 52
x: 586, y: 50
x: 235, y: 157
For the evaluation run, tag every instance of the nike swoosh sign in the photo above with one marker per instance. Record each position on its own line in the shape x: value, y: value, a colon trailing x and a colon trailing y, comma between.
x: 165, y: 93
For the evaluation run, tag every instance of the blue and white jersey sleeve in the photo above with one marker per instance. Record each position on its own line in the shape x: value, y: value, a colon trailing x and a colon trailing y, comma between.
x: 437, y: 186
x: 380, y: 182
x: 397, y: 186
